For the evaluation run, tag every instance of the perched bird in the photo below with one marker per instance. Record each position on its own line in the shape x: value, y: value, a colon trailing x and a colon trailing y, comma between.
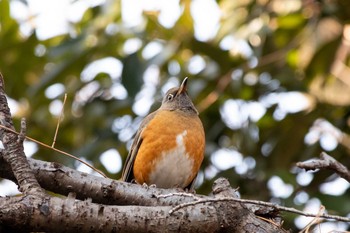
x: 168, y: 148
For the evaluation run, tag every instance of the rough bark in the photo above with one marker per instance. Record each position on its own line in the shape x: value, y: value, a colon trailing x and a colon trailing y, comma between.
x: 68, y: 215
x: 71, y: 214
x: 13, y: 143
x: 62, y: 180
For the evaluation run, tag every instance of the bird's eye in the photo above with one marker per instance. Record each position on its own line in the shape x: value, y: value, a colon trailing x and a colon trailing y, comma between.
x: 170, y: 97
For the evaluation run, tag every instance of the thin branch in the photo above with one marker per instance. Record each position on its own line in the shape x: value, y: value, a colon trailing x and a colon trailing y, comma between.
x: 168, y: 195
x: 326, y: 162
x: 55, y: 149
x: 262, y: 203
x: 226, y: 78
x: 59, y: 120
x: 270, y: 221
x: 314, y: 221
x: 14, y: 154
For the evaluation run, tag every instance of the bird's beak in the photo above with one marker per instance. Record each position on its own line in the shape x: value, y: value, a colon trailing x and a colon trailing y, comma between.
x: 182, y: 88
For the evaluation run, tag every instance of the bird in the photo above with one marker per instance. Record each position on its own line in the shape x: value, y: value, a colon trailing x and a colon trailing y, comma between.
x: 168, y: 148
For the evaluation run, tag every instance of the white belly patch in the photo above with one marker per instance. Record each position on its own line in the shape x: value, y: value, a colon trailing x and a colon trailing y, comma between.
x: 174, y: 166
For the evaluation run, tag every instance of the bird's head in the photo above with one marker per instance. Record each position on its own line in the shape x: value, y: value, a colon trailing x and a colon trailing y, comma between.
x: 177, y: 98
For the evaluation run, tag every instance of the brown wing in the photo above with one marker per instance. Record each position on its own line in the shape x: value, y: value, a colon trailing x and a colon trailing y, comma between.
x: 128, y: 174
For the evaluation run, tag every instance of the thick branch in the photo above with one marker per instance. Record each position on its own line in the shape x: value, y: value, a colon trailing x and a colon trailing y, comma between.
x: 70, y: 215
x: 60, y: 179
x: 63, y: 180
x: 326, y: 162
x: 14, y: 154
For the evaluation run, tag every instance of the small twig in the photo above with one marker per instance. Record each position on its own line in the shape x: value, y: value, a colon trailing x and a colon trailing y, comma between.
x: 22, y: 133
x: 213, y: 96
x: 326, y: 162
x: 225, y: 79
x: 314, y: 221
x: 269, y: 221
x: 59, y: 120
x: 57, y: 150
x: 177, y: 194
x: 269, y: 204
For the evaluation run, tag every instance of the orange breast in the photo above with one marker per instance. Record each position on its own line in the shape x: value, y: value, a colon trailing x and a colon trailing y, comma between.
x: 172, y: 150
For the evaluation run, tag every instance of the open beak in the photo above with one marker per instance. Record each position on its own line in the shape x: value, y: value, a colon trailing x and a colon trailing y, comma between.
x: 182, y: 88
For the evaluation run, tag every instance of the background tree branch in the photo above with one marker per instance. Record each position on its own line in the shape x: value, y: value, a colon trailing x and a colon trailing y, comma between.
x: 326, y: 162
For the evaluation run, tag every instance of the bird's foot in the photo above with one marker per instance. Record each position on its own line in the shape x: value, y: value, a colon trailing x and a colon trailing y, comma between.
x: 149, y: 186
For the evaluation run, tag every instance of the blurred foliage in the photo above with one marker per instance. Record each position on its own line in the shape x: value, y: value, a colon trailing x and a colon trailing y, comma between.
x: 293, y: 46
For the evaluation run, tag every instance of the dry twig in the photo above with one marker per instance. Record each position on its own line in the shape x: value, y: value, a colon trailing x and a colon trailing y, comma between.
x: 55, y: 149
x: 59, y: 120
x: 326, y: 162
x: 262, y: 203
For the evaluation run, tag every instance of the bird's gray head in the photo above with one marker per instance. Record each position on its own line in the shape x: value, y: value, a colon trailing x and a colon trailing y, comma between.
x: 177, y: 99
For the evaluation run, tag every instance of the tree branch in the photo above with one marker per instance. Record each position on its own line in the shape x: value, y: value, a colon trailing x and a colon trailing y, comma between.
x: 63, y: 180
x: 69, y: 215
x: 260, y: 203
x: 224, y: 193
x: 14, y: 154
x: 326, y: 162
